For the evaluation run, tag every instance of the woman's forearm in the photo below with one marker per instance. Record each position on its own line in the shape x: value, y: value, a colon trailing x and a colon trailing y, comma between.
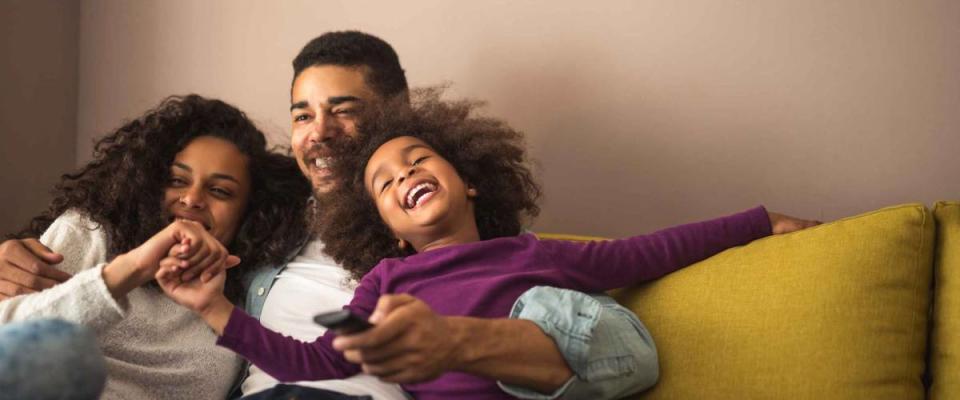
x: 83, y: 299
x: 121, y: 276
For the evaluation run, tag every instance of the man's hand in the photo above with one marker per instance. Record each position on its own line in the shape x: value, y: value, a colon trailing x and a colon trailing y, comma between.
x: 780, y: 224
x: 26, y: 267
x: 409, y: 342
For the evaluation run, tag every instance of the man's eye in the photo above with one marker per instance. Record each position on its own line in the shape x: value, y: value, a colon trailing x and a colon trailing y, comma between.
x: 301, y: 117
x: 344, y: 111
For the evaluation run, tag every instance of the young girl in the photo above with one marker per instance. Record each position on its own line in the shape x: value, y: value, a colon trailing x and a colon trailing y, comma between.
x: 192, y: 173
x: 440, y: 197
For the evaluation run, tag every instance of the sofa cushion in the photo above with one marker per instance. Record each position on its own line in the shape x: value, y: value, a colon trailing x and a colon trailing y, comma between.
x: 837, y: 311
x: 945, y: 340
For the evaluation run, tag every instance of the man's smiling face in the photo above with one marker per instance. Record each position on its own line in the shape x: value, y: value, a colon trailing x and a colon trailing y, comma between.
x: 324, y: 103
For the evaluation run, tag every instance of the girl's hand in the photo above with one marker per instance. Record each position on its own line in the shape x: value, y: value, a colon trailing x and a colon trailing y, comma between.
x: 780, y: 224
x: 202, y: 297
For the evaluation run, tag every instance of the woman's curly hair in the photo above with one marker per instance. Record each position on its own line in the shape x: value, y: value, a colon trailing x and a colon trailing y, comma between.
x: 487, y: 154
x: 122, y: 189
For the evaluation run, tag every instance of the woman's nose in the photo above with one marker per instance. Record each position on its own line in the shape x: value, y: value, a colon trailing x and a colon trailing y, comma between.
x: 193, y: 198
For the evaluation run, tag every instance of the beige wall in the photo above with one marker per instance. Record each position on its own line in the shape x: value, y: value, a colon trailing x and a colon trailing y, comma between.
x: 642, y: 114
x: 38, y: 103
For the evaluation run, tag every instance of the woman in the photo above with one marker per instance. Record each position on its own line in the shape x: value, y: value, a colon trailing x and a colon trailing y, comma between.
x: 192, y: 170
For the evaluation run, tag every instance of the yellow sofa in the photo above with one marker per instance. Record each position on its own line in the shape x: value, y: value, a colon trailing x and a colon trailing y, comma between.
x: 844, y: 310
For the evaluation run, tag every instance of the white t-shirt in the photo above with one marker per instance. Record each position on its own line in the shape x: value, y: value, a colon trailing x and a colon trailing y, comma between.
x: 310, y: 284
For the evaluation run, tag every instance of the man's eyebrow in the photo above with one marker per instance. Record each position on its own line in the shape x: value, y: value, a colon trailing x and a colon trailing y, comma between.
x: 335, y: 100
x: 213, y: 176
x: 299, y: 104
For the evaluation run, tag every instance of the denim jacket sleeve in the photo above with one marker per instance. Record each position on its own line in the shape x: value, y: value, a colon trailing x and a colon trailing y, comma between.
x: 609, y: 350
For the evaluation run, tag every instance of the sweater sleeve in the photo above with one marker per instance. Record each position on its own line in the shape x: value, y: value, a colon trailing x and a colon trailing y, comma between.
x: 288, y: 359
x: 84, y: 298
x: 606, y: 265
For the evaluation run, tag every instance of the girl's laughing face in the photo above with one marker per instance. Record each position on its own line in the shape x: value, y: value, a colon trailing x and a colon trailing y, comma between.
x: 419, y: 195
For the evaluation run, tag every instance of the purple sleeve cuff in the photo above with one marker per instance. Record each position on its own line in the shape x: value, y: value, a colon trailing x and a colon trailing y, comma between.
x: 759, y: 221
x: 232, y: 336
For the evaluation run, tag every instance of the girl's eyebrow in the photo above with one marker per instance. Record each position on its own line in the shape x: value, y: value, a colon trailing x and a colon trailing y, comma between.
x: 403, y: 154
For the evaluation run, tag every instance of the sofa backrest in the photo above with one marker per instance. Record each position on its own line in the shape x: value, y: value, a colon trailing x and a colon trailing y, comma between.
x: 838, y: 311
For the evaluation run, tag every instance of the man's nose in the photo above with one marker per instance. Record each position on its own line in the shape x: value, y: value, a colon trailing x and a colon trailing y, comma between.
x: 325, y: 127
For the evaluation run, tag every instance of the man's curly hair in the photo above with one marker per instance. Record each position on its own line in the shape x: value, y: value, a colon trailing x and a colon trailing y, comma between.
x: 122, y: 189
x: 488, y: 155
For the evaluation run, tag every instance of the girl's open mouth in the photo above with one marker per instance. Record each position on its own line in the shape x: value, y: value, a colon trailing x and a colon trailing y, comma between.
x: 420, y: 194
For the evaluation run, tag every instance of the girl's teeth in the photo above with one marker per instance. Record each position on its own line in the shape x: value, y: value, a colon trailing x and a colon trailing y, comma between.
x: 414, y: 191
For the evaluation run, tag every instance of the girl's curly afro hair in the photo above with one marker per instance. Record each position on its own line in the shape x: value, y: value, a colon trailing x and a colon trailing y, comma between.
x: 488, y: 154
x: 122, y: 188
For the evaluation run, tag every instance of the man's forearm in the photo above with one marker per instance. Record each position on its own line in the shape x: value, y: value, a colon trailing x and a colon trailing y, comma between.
x: 513, y: 351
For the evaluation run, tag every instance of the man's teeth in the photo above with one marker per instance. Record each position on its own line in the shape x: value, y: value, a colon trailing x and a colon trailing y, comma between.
x: 413, y: 200
x: 321, y: 163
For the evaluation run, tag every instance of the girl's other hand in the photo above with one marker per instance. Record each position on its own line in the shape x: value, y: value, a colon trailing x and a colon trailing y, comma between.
x: 195, y: 294
x: 202, y: 297
x: 780, y: 224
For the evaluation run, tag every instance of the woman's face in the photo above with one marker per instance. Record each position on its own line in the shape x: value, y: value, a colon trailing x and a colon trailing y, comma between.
x: 210, y: 184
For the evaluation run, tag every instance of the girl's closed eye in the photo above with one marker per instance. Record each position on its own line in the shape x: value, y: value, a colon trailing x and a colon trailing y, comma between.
x: 420, y: 160
x: 385, y: 185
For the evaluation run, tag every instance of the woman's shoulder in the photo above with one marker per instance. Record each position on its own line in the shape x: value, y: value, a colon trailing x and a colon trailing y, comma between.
x: 80, y: 240
x: 75, y: 219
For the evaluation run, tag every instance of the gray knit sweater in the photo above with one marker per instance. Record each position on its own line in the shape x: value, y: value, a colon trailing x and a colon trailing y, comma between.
x: 155, y: 349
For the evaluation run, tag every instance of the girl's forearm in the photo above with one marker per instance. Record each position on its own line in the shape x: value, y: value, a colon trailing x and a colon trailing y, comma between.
x: 217, y: 314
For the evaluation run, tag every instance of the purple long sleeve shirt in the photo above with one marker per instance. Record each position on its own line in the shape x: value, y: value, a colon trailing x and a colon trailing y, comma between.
x: 484, y: 279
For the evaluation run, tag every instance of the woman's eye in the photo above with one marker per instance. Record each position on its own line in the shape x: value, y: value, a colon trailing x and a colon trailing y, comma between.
x: 177, y: 182
x: 221, y: 192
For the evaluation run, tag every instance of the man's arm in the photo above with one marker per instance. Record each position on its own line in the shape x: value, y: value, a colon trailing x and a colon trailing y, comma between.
x: 410, y: 343
x: 26, y: 266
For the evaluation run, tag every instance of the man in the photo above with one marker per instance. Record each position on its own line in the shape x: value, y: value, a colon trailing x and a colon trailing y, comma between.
x: 561, y: 344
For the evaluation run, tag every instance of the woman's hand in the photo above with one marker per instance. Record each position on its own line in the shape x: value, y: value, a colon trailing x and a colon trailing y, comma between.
x: 199, y: 251
x: 780, y: 224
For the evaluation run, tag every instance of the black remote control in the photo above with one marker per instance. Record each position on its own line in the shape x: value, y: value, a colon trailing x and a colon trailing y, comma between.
x: 343, y: 322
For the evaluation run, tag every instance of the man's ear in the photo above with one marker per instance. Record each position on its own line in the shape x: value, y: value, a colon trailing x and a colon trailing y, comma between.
x: 471, y: 192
